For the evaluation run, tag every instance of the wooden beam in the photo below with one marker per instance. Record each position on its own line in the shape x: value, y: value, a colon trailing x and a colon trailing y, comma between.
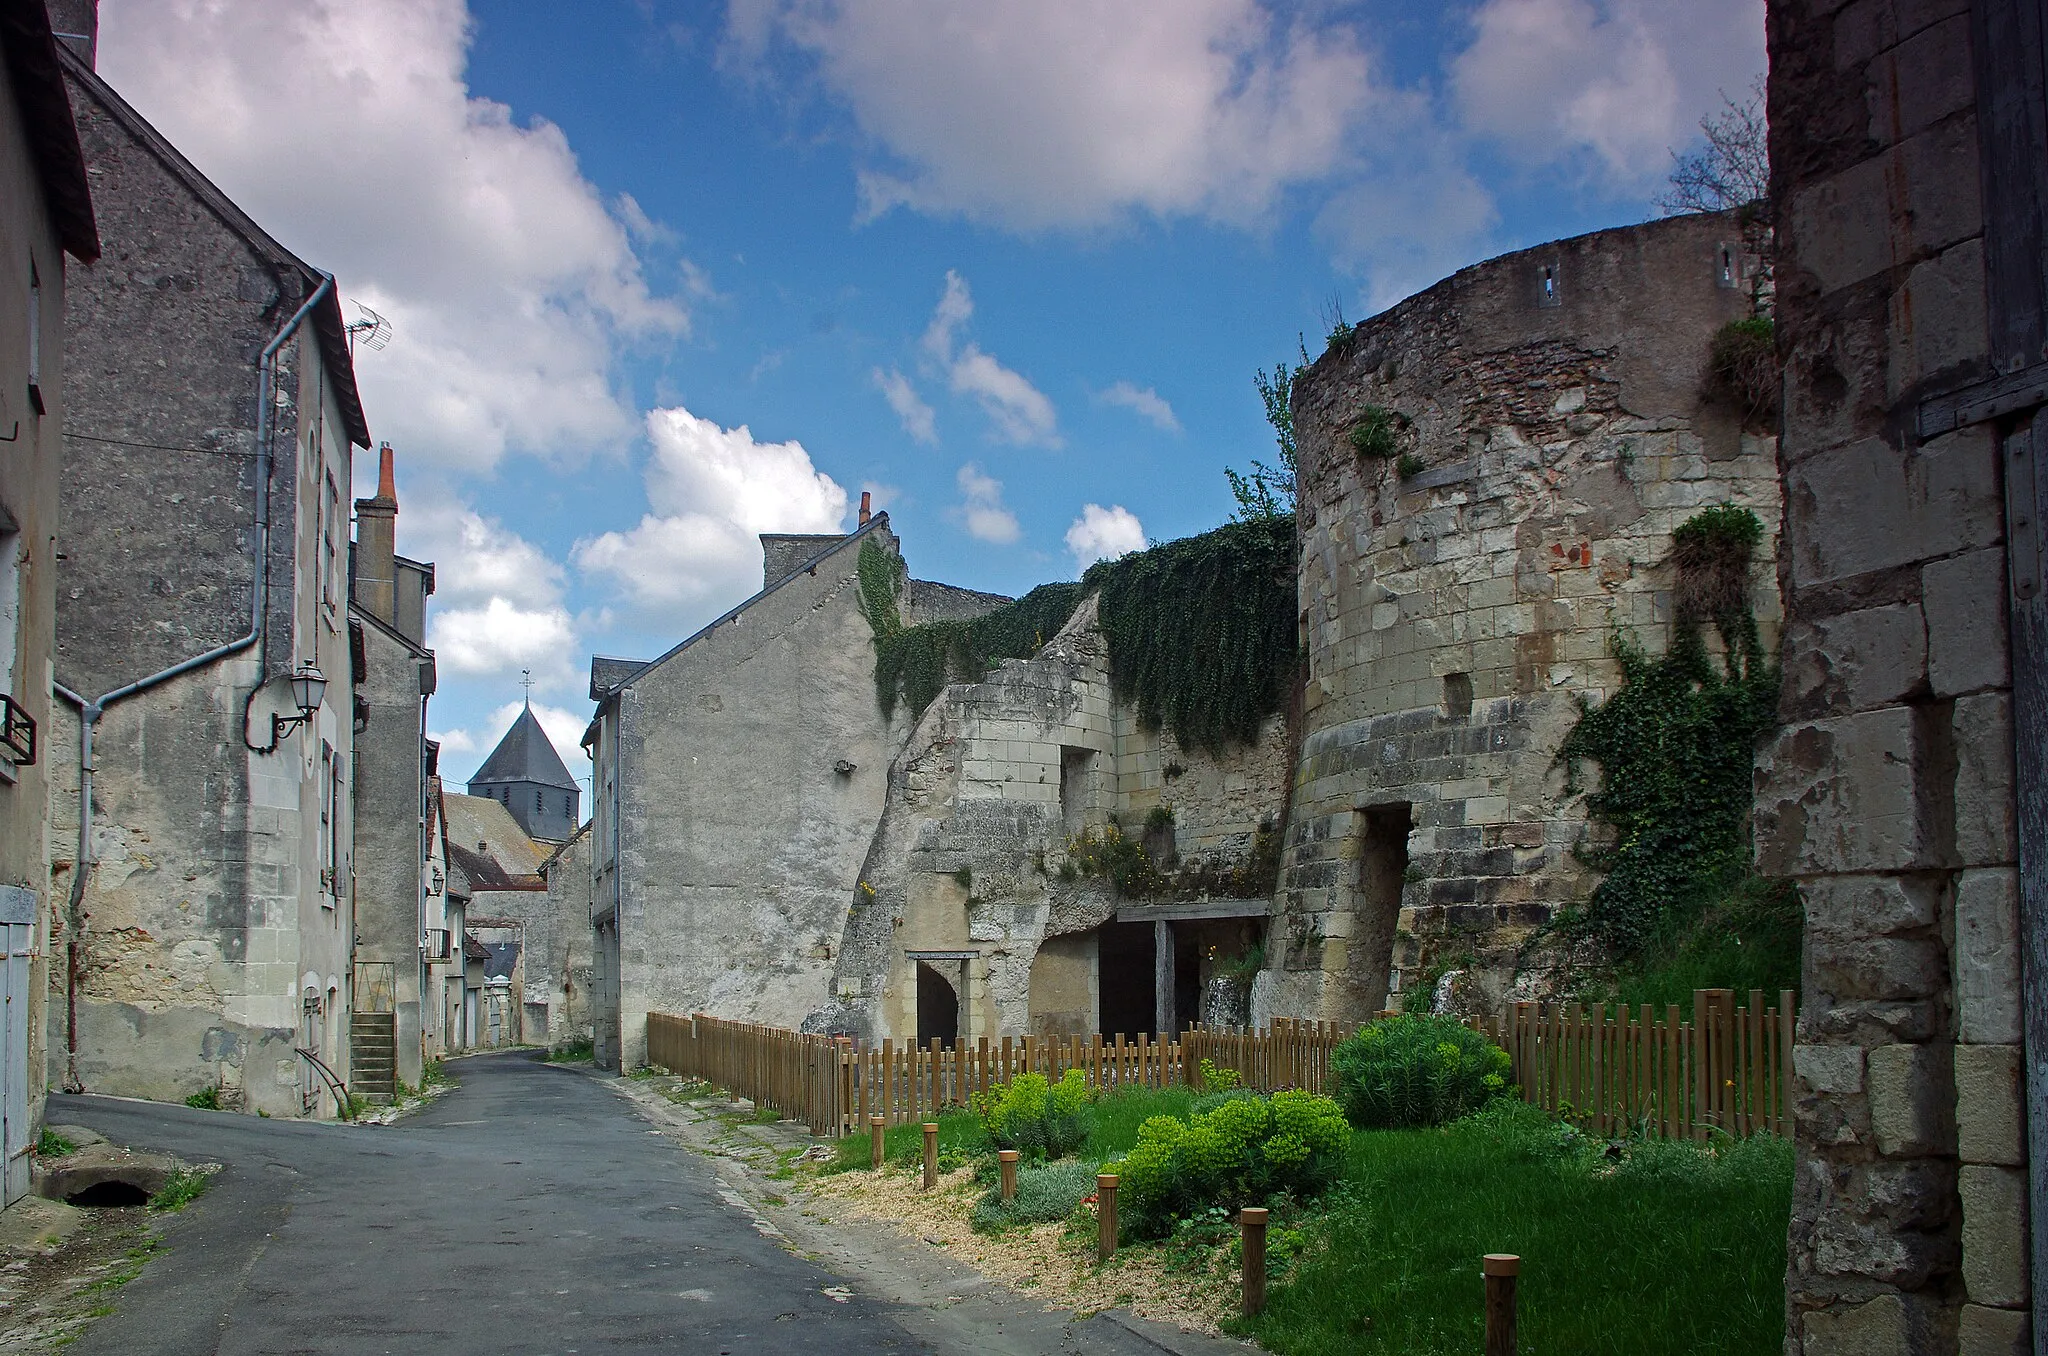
x: 1195, y: 909
x: 1162, y: 979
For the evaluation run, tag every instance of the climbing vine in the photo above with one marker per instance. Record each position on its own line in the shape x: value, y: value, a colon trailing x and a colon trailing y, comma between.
x: 1676, y: 745
x: 914, y: 663
x: 1201, y: 631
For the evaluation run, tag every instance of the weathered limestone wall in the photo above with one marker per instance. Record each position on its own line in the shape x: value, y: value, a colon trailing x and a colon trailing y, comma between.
x: 1454, y: 617
x: 1889, y: 794
x: 739, y: 837
x: 971, y: 855
x: 561, y: 945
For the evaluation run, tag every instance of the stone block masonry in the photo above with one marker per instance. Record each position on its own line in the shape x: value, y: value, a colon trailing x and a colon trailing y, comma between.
x: 1890, y: 791
x: 1545, y: 429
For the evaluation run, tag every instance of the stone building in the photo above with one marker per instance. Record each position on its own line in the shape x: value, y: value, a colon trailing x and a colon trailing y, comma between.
x: 494, y: 883
x: 739, y: 780
x: 46, y: 212
x: 1905, y: 792
x: 560, y: 950
x: 387, y: 611
x: 527, y: 776
x: 201, y: 806
x: 973, y: 916
x: 1490, y: 472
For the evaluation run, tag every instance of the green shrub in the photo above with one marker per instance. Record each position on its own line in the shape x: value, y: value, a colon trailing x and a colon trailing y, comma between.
x: 1414, y: 1070
x: 180, y: 1189
x: 1245, y: 1151
x: 50, y: 1144
x: 206, y: 1099
x: 1373, y: 435
x: 1038, y: 1119
x: 1045, y: 1195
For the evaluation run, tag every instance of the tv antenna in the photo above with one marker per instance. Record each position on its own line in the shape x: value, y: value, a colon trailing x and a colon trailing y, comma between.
x: 373, y: 329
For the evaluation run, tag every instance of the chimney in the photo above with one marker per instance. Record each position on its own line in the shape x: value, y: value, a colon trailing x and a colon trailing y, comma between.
x: 375, y: 566
x: 864, y: 500
x: 76, y: 24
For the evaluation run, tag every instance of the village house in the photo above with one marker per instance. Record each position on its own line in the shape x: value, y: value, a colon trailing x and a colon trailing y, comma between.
x: 46, y: 212
x: 387, y: 610
x: 201, y: 808
x: 740, y: 777
x: 494, y: 878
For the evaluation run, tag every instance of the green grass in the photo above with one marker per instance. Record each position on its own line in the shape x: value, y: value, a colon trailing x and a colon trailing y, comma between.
x: 579, y: 1051
x: 50, y: 1144
x: 206, y: 1099
x: 180, y: 1189
x: 1746, y: 935
x: 960, y: 1134
x: 1667, y: 1249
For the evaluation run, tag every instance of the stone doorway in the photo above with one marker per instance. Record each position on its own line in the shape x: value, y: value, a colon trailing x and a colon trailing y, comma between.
x: 938, y: 1006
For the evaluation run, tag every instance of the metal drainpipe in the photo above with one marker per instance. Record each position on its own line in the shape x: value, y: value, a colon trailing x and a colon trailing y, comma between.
x: 89, y: 712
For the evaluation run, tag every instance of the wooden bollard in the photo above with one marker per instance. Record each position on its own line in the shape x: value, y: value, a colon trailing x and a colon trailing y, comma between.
x: 1105, y: 1212
x: 1252, y: 1222
x: 1008, y: 1159
x: 931, y: 1155
x: 875, y: 1140
x: 1500, y: 1269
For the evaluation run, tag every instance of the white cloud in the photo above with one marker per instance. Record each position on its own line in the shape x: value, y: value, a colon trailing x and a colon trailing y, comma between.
x: 500, y: 638
x: 711, y: 491
x: 1147, y: 404
x: 982, y: 510
x: 1018, y: 411
x: 917, y: 417
x: 498, y: 599
x: 349, y: 132
x: 1104, y: 534
x: 1402, y: 233
x: 1075, y: 113
x: 1626, y: 80
x: 453, y: 741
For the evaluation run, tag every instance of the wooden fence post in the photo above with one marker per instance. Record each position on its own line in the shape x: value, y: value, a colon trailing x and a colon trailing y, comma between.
x: 1500, y: 1269
x: 875, y: 1123
x: 1105, y: 1213
x: 931, y: 1155
x: 1008, y: 1159
x: 1251, y: 1222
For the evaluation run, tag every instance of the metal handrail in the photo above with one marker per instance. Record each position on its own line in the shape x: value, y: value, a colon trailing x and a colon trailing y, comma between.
x: 342, y: 1102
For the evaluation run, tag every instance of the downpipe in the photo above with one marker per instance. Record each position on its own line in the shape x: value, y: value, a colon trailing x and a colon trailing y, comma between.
x: 90, y: 711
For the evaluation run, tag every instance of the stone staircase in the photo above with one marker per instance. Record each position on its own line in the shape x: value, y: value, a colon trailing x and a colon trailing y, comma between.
x: 373, y: 1054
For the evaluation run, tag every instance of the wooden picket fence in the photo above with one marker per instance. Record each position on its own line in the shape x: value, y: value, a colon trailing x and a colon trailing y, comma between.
x: 1729, y: 1068
x: 833, y: 1084
x: 1619, y: 1070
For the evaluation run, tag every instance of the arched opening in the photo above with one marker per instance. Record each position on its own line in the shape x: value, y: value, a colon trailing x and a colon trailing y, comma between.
x: 111, y: 1194
x: 938, y: 1007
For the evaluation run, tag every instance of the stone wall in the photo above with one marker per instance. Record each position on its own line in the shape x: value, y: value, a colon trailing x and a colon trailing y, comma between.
x: 1890, y: 793
x: 1460, y: 596
x: 971, y: 865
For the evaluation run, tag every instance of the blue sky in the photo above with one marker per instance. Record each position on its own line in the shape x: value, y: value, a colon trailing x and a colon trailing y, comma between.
x: 665, y: 275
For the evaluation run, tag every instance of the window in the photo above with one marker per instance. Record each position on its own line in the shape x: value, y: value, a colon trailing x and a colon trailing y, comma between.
x: 326, y: 818
x: 35, y: 338
x: 330, y: 509
x: 538, y: 807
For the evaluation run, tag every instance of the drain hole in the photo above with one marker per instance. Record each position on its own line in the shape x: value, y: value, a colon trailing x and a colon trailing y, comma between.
x: 109, y: 1195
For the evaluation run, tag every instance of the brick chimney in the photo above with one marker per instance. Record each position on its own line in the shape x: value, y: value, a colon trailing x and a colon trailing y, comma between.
x: 374, y: 566
x: 864, y: 501
x: 77, y: 25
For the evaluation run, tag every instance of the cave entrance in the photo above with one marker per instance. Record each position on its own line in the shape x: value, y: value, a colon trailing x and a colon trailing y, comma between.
x: 1128, y: 972
x: 938, y: 1006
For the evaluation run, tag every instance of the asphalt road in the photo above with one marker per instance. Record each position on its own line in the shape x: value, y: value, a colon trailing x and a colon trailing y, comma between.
x: 529, y: 1211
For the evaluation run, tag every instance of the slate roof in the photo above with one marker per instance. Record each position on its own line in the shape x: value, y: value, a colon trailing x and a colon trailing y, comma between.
x: 525, y: 754
x: 488, y: 845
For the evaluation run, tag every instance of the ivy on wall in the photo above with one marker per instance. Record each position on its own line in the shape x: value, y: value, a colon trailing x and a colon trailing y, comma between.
x: 1676, y: 745
x: 1201, y: 631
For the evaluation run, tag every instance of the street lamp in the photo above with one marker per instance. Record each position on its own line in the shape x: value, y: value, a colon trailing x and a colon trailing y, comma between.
x: 308, y: 685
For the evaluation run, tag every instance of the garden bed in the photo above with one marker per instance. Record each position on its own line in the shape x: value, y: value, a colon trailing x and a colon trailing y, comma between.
x: 1628, y: 1246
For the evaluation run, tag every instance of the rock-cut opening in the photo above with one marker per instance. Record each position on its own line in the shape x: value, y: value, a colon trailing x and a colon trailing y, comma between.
x: 111, y: 1194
